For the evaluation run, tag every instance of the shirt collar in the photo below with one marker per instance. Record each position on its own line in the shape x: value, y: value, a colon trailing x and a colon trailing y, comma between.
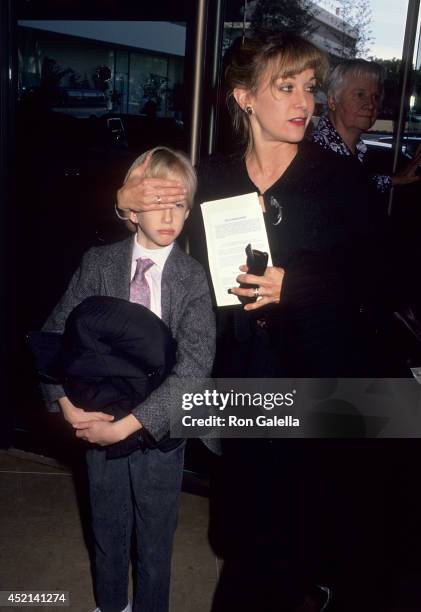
x: 326, y: 127
x: 158, y: 256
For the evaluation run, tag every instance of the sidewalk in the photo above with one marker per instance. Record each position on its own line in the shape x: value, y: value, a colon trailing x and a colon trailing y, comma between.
x: 42, y: 544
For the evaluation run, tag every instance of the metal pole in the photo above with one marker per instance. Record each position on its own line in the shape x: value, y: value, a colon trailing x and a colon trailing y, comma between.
x: 199, y: 54
x: 216, y: 62
x: 406, y: 67
x: 8, y: 239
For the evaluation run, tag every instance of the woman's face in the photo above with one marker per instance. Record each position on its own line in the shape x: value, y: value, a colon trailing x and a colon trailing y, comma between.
x: 281, y: 110
x: 357, y: 105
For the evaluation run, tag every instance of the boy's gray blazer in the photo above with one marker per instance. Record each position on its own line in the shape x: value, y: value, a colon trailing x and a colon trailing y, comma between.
x: 186, y: 309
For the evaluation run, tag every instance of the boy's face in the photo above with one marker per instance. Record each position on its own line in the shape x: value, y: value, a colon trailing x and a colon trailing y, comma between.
x: 159, y: 228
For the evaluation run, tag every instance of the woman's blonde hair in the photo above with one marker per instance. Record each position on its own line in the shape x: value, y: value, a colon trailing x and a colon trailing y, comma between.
x: 165, y: 161
x: 287, y: 55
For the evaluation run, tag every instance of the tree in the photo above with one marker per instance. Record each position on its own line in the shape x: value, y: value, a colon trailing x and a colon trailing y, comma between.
x: 282, y: 15
x: 51, y: 75
x: 74, y: 80
x: 391, y: 85
x: 356, y: 16
x: 101, y: 78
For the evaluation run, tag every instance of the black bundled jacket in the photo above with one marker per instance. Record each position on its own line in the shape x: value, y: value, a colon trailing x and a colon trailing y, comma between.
x: 112, y: 355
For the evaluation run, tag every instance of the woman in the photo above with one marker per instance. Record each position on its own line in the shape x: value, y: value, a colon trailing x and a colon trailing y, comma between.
x: 316, y: 213
x: 306, y: 321
x: 355, y: 92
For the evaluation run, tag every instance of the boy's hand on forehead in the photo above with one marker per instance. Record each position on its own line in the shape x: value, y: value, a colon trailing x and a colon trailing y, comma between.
x: 141, y: 194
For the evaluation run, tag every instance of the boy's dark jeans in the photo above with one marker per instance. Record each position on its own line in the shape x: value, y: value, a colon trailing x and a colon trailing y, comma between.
x: 137, y: 493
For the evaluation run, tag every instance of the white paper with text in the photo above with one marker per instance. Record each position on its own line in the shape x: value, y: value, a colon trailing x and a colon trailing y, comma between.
x: 230, y: 225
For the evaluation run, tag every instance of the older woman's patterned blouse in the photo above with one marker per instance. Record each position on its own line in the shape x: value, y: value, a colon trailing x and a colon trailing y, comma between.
x: 327, y: 137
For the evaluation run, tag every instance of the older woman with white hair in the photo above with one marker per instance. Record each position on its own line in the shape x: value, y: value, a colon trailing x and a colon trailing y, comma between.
x: 354, y: 94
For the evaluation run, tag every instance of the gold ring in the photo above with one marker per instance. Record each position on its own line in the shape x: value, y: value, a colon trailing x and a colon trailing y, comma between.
x: 256, y: 292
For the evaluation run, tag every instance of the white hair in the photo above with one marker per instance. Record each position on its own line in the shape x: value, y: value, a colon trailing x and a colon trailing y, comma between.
x: 354, y: 69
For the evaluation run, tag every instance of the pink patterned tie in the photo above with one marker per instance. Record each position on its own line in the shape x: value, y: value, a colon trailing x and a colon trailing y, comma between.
x: 140, y: 292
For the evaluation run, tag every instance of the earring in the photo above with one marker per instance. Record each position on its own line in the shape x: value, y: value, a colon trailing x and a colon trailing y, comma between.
x: 249, y: 109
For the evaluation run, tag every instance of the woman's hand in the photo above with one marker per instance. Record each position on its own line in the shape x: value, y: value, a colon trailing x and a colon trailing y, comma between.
x: 141, y: 194
x: 269, y: 287
x: 408, y: 174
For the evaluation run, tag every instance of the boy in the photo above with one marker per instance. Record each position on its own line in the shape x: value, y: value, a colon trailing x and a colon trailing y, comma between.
x: 140, y: 492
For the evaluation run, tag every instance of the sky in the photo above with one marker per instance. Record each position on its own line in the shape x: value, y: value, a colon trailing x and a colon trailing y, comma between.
x: 388, y: 26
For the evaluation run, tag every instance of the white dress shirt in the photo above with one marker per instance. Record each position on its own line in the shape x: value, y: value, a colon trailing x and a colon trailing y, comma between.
x: 154, y: 274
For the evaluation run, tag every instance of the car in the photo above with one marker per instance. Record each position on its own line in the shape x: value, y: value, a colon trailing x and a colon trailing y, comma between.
x: 385, y: 142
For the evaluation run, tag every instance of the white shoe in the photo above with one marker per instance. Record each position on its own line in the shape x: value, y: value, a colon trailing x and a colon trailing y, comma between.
x: 328, y: 593
x: 128, y: 608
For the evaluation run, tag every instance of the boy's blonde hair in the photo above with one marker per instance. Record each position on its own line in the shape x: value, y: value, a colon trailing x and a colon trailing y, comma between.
x: 165, y: 161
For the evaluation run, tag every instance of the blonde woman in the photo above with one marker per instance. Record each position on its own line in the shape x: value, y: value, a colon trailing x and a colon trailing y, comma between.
x: 277, y: 495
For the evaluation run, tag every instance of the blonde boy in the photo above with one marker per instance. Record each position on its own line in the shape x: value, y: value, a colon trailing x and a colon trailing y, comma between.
x: 139, y: 494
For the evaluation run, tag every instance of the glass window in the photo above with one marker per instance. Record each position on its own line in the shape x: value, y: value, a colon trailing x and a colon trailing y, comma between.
x: 388, y: 26
x: 120, y: 98
x: 414, y: 118
x: 92, y: 96
x: 371, y: 30
x: 149, y: 86
x: 86, y: 69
